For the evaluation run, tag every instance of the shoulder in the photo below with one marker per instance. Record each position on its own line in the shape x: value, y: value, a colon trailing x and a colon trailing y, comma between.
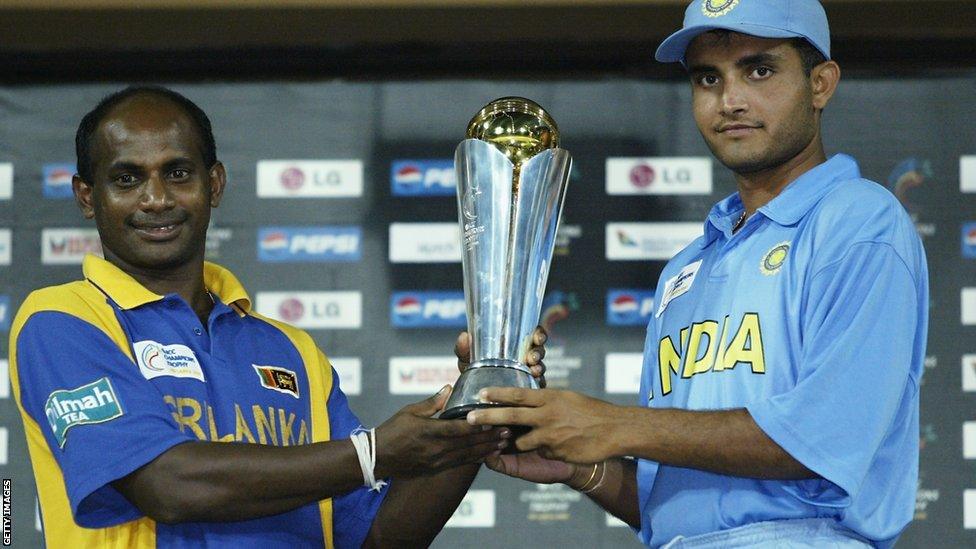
x: 862, y: 212
x: 300, y: 339
x: 863, y: 209
x: 78, y: 299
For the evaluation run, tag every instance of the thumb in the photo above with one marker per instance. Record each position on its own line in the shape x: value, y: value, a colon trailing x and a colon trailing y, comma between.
x: 433, y: 404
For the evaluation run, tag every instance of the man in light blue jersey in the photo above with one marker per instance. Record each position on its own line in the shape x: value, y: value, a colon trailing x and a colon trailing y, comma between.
x: 779, y: 396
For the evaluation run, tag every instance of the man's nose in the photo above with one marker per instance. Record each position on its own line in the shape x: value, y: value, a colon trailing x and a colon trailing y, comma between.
x: 156, y: 195
x: 734, y: 97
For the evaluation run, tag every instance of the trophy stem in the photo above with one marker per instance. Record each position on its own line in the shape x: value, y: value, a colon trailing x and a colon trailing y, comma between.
x: 481, y: 375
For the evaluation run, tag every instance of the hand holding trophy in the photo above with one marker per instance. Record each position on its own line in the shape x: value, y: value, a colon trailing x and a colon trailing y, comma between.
x: 511, y: 178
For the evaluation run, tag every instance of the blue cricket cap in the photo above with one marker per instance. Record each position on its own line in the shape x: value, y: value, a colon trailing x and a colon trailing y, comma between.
x: 761, y: 18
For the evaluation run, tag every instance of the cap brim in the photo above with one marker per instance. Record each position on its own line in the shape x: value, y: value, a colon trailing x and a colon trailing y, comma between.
x: 673, y: 49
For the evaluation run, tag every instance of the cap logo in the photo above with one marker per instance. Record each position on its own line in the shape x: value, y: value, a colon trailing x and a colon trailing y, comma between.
x: 718, y: 8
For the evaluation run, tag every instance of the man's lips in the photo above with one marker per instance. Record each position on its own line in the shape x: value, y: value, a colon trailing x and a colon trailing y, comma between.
x: 737, y: 129
x: 159, y: 230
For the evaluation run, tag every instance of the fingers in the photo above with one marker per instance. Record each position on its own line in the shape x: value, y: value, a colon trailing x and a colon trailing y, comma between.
x: 430, y: 406
x: 539, y: 337
x: 503, y: 416
x: 462, y: 349
x: 513, y: 396
x: 472, y: 454
x: 539, y: 373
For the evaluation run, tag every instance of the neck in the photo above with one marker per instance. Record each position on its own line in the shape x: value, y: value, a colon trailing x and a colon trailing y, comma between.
x: 185, y: 280
x: 758, y: 188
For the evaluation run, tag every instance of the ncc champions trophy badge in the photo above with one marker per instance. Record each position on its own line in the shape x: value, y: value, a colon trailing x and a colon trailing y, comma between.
x: 718, y: 8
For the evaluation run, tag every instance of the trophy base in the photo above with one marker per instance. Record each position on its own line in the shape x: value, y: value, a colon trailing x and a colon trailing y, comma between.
x: 474, y: 379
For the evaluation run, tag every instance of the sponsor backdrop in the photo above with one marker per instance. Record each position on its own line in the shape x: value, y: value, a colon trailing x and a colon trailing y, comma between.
x: 340, y: 218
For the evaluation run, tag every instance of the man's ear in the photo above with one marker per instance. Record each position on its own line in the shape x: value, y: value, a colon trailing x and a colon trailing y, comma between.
x: 83, y: 196
x: 823, y: 82
x: 218, y: 180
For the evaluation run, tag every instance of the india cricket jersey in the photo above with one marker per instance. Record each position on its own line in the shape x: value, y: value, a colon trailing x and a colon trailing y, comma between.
x: 812, y: 317
x: 109, y: 375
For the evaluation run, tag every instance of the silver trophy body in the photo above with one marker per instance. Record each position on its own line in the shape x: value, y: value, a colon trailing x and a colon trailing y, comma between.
x: 509, y: 214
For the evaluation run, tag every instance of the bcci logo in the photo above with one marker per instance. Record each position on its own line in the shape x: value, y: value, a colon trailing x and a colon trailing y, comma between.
x: 718, y: 8
x: 774, y: 259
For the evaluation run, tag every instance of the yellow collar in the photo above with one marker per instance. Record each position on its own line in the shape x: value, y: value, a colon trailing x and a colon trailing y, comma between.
x: 128, y: 294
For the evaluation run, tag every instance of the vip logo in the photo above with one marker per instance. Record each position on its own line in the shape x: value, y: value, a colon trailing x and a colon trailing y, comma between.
x: 6, y: 180
x: 425, y: 243
x: 317, y: 310
x: 622, y: 373
x: 309, y: 178
x: 57, y: 180
x: 423, y: 178
x: 428, y: 310
x: 68, y: 246
x: 659, y: 176
x: 421, y: 375
x: 648, y: 241
x: 309, y: 244
x: 4, y: 312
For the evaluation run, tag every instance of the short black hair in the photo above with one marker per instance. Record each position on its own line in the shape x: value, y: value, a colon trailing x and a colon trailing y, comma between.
x: 91, y: 121
x: 809, y: 55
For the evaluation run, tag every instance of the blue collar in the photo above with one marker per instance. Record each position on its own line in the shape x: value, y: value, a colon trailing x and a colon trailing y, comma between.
x: 798, y: 198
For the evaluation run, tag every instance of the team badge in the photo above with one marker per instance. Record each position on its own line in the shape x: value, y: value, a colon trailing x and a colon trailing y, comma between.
x: 278, y: 379
x: 718, y: 8
x: 774, y: 258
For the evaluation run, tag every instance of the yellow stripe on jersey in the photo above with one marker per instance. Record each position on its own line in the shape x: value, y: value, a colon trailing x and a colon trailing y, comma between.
x: 319, y: 372
x: 84, y: 301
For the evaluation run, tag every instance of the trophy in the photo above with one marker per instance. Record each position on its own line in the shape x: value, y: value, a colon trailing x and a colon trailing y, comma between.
x: 511, y: 182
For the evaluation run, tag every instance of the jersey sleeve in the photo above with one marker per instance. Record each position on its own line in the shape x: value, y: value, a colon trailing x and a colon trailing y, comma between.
x: 855, y: 382
x: 352, y: 512
x: 99, y: 416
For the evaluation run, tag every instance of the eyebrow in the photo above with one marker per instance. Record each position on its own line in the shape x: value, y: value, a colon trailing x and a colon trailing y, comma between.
x: 132, y: 166
x: 749, y: 60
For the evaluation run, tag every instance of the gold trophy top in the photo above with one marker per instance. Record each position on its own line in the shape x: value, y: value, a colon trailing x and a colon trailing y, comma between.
x: 518, y: 127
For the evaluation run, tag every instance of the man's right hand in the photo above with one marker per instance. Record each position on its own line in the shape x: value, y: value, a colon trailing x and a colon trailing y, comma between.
x: 414, y: 443
x: 532, y: 467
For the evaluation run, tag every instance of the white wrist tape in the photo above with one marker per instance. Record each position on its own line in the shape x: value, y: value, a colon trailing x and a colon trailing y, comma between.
x: 365, y: 443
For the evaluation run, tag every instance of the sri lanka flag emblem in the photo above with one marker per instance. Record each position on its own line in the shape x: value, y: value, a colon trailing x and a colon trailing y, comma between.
x: 278, y: 379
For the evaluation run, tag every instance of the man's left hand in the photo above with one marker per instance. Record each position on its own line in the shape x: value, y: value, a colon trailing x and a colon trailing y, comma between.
x: 566, y: 426
x: 533, y: 359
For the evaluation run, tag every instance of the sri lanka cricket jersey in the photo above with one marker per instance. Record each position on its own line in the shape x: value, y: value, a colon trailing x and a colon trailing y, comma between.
x: 109, y: 375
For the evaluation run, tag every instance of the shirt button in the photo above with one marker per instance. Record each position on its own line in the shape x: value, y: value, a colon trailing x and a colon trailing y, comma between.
x: 198, y: 331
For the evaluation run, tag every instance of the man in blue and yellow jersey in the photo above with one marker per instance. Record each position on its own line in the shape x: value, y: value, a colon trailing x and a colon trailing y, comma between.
x: 779, y: 399
x: 132, y: 381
